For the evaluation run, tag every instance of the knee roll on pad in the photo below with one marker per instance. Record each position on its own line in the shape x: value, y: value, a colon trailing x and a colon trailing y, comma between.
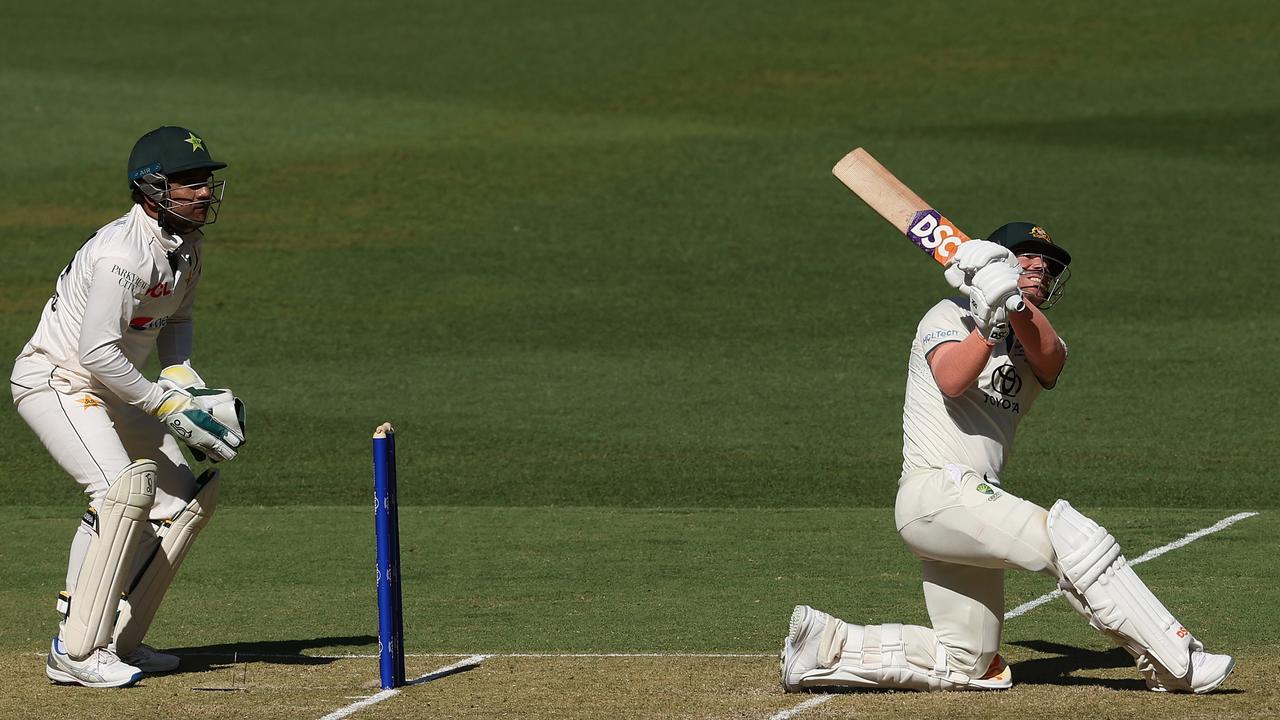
x: 1096, y: 576
x: 176, y: 537
x: 91, y: 612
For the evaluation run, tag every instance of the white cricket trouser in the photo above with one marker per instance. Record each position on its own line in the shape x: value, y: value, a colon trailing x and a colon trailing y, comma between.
x: 93, y: 439
x: 966, y: 532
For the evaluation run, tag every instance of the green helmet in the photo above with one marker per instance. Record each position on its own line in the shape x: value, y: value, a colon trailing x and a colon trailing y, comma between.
x: 164, y: 153
x: 1024, y: 238
x: 168, y: 150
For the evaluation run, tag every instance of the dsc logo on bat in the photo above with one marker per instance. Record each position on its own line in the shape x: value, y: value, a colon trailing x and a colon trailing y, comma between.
x: 935, y: 235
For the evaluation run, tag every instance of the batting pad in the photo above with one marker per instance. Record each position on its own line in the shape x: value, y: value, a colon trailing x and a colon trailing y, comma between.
x: 1114, y: 597
x: 875, y: 656
x: 92, y: 612
x: 176, y: 537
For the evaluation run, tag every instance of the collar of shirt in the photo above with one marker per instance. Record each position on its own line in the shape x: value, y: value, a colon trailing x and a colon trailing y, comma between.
x: 167, y: 240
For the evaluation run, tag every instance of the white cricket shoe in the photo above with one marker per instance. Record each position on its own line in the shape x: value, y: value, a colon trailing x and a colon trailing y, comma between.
x: 800, y: 648
x: 1207, y: 673
x: 149, y: 660
x: 102, y: 669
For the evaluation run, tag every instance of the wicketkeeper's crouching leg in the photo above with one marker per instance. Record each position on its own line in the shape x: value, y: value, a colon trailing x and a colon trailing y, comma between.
x: 1098, y: 582
x: 116, y: 529
x: 119, y: 525
x: 130, y: 564
x: 157, y: 571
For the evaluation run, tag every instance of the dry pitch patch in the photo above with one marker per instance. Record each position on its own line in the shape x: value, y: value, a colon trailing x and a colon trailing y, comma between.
x: 607, y: 687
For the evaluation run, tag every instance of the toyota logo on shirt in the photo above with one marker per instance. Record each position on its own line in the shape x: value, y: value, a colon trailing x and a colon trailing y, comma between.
x: 1006, y: 381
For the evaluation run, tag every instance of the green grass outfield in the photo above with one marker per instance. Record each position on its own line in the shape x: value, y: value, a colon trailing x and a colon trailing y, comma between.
x: 609, y: 580
x: 644, y: 354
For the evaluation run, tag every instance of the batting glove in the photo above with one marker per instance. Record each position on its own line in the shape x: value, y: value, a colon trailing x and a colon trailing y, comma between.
x: 993, y: 290
x: 971, y: 257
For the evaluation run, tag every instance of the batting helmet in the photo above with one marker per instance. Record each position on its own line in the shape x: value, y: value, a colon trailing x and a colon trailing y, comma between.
x: 1024, y: 238
x: 164, y: 153
x: 169, y: 150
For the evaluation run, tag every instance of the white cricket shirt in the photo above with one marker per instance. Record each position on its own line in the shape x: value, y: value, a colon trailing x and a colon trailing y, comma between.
x: 976, y: 429
x: 127, y: 290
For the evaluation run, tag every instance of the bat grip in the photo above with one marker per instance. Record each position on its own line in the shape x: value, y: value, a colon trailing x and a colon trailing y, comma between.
x: 1014, y: 304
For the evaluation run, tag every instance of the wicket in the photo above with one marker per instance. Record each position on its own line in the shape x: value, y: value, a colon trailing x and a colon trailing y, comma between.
x: 387, y: 527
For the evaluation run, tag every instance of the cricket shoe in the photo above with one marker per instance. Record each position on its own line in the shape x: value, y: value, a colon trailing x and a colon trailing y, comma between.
x: 102, y: 669
x: 999, y: 676
x: 149, y: 660
x: 1207, y: 673
x: 800, y: 648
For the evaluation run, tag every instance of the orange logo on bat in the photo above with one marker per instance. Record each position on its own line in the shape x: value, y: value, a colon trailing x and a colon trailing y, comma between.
x: 935, y: 235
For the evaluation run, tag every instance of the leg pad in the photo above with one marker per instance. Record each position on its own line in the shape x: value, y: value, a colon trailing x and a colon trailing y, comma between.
x: 176, y: 537
x: 1100, y: 584
x: 91, y: 612
x: 875, y: 656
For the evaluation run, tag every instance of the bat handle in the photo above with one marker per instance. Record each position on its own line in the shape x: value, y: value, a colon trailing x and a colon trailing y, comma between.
x: 1014, y: 304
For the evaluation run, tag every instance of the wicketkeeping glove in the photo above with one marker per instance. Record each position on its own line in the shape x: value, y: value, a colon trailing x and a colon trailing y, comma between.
x: 209, y: 421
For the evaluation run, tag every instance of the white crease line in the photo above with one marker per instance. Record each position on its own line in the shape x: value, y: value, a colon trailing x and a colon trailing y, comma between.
x: 802, y: 707
x: 388, y: 694
x: 1027, y: 607
x: 356, y: 707
x: 636, y: 655
x: 1222, y: 524
x: 373, y: 655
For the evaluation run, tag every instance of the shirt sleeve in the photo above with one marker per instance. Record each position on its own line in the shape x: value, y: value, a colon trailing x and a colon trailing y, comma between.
x: 944, y: 323
x: 113, y: 295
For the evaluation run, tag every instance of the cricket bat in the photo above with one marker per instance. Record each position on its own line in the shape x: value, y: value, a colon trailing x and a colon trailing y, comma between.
x: 924, y: 226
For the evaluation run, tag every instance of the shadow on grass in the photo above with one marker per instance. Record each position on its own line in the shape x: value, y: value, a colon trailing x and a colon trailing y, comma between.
x: 207, y: 658
x: 1068, y: 659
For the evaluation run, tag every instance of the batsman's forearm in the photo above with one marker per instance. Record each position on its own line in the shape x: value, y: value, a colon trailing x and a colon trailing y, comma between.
x: 1045, y: 350
x: 956, y: 365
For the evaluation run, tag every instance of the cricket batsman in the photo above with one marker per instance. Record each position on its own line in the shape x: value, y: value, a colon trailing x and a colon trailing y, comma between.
x: 130, y: 289
x: 975, y: 369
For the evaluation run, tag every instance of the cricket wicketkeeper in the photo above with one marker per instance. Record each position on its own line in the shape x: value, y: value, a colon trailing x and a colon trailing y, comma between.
x: 976, y: 368
x: 129, y: 289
